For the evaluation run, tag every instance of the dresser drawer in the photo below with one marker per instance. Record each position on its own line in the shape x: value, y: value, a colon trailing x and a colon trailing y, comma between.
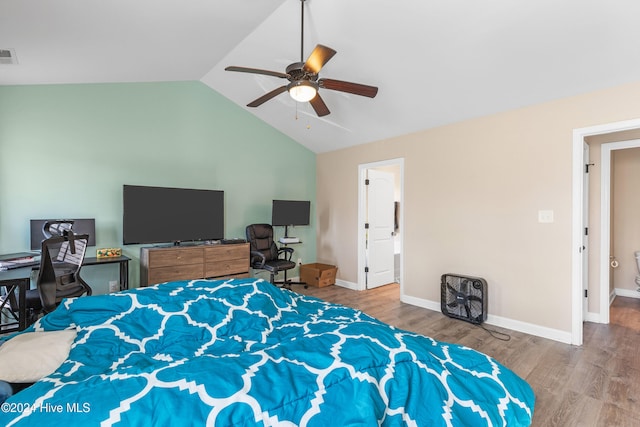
x: 236, y: 276
x: 173, y: 257
x: 226, y: 268
x: 159, y: 265
x: 175, y: 272
x: 226, y: 252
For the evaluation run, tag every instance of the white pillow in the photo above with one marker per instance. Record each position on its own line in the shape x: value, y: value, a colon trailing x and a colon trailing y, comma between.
x: 28, y: 357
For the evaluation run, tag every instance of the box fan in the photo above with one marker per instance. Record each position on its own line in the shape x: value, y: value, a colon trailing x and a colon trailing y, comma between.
x: 464, y: 298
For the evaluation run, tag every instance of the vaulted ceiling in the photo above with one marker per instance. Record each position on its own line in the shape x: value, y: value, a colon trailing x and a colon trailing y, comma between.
x: 435, y: 62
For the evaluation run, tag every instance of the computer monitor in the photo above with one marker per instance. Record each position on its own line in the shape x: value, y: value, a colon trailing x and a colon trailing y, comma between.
x: 80, y: 226
x: 290, y: 212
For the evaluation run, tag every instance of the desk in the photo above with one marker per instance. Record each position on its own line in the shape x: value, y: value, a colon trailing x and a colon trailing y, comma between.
x: 124, y: 267
x: 19, y: 279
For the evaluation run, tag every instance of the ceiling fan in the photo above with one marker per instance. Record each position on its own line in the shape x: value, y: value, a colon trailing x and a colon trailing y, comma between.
x: 304, y: 83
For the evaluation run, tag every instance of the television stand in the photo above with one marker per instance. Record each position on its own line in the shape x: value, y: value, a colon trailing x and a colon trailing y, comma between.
x: 285, y: 241
x: 169, y: 263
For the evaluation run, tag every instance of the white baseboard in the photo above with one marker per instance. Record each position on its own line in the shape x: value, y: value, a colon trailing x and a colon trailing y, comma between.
x: 530, y: 328
x: 629, y: 293
x: 431, y: 305
x: 592, y: 317
x: 503, y: 322
x: 348, y: 285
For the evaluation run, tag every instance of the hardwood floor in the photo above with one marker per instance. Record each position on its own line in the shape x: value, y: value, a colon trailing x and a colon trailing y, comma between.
x: 597, y: 384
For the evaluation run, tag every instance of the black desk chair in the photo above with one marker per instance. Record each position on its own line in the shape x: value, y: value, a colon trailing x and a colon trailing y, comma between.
x: 59, y: 274
x: 265, y: 254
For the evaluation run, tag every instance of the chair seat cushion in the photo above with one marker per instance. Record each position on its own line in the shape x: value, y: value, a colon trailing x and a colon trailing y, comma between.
x: 278, y: 265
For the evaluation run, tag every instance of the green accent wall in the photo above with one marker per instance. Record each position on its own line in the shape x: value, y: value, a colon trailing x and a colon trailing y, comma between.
x: 67, y: 150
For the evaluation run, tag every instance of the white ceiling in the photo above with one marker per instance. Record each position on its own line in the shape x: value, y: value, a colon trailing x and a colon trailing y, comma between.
x: 434, y: 61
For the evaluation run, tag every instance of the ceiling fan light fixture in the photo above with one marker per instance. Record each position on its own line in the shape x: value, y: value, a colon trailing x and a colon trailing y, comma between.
x: 303, y: 90
x: 304, y: 84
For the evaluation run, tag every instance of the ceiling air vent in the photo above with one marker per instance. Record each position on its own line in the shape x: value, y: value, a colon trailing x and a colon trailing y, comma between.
x: 8, y: 57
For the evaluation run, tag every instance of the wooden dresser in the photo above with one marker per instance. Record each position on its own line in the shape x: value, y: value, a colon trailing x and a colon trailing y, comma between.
x: 158, y: 265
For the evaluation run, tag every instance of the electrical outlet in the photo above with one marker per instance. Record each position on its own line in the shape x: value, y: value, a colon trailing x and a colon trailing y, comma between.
x: 114, y: 286
x: 299, y: 261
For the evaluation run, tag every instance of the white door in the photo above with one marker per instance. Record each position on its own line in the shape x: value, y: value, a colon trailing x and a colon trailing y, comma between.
x: 380, y: 220
x: 585, y: 233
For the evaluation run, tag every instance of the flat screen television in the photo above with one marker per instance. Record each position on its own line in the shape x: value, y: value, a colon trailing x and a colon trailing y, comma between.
x: 164, y: 215
x: 80, y: 226
x: 290, y: 212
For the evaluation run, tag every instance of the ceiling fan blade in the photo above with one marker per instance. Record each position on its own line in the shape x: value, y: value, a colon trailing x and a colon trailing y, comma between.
x: 320, y: 56
x: 267, y: 96
x: 354, y: 88
x: 257, y: 71
x: 319, y: 106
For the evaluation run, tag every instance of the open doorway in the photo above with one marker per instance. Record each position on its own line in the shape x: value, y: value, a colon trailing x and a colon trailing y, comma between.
x: 380, y: 258
x: 625, y: 223
x: 618, y: 203
x: 612, y: 136
x: 624, y: 309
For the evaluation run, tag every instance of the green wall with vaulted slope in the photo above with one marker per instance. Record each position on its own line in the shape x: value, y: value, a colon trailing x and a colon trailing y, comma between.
x: 67, y: 150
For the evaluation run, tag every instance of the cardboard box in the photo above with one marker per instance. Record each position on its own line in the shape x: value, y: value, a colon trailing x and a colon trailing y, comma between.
x: 317, y: 274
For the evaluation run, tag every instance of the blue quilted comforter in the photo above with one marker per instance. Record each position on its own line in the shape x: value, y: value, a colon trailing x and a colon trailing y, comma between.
x: 245, y: 353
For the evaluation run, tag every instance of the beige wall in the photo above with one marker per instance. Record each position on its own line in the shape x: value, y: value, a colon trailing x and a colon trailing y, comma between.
x: 471, y: 199
x: 626, y: 216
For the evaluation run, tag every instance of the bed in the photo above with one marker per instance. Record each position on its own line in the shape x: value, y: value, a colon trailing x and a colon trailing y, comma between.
x: 245, y: 353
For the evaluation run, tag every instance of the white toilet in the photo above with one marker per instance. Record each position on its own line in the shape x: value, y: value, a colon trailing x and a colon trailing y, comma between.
x: 637, y: 254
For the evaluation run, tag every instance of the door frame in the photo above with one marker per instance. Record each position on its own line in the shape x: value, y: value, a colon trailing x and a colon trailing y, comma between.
x: 586, y: 249
x: 362, y: 209
x: 579, y: 136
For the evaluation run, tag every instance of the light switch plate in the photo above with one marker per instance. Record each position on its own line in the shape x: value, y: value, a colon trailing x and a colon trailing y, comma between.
x: 545, y: 216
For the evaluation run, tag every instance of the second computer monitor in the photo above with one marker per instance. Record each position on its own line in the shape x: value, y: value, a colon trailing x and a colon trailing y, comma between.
x: 80, y: 226
x: 290, y: 212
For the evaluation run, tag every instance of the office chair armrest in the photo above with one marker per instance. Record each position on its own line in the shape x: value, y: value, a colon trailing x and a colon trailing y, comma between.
x: 287, y: 251
x: 257, y: 256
